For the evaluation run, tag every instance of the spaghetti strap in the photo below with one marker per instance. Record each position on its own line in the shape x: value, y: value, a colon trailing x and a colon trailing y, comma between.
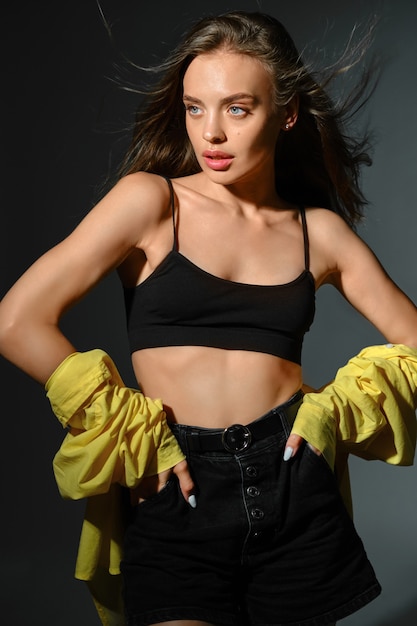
x: 306, y: 242
x: 172, y: 202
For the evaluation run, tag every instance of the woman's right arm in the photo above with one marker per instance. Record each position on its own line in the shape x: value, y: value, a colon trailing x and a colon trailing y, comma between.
x: 30, y: 312
x: 127, y: 219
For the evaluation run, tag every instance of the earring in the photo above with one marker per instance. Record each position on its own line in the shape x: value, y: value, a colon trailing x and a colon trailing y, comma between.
x: 287, y: 126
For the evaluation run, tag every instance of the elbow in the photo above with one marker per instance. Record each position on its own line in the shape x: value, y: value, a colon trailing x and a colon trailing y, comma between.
x: 29, y: 341
x: 7, y: 332
x: 10, y: 330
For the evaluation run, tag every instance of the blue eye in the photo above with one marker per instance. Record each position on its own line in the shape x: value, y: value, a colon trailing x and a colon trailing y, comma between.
x: 236, y: 110
x: 193, y: 109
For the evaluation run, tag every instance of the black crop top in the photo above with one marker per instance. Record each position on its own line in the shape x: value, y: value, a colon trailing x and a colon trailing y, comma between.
x: 181, y: 304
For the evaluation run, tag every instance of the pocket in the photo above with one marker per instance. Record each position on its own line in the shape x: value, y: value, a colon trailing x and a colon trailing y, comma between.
x: 313, y: 457
x: 315, y: 450
x: 311, y: 453
x: 155, y: 497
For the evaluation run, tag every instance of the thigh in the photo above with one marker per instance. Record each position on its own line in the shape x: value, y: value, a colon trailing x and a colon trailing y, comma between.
x: 311, y: 567
x: 181, y: 563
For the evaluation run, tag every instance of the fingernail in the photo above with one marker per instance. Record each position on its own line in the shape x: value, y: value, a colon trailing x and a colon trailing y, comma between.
x: 288, y: 453
x: 192, y: 501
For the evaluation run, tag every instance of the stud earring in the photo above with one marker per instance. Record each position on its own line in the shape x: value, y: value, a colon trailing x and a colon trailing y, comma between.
x: 287, y: 126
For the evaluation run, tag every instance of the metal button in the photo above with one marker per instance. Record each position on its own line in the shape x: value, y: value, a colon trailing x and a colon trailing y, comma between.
x: 252, y: 491
x: 251, y: 471
x: 257, y: 514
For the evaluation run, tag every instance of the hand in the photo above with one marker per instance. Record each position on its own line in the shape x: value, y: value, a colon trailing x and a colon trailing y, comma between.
x: 293, y: 445
x: 186, y: 482
x: 151, y: 485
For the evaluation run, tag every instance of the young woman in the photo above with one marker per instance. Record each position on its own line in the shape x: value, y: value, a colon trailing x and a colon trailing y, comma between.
x: 235, y: 203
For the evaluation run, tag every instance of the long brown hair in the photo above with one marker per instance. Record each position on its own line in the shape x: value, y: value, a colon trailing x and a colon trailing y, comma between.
x: 317, y: 163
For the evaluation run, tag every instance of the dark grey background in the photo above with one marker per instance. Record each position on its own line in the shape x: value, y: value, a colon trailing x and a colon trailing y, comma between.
x: 64, y: 123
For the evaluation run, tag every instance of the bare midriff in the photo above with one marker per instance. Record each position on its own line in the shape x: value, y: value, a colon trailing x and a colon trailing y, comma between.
x: 213, y: 388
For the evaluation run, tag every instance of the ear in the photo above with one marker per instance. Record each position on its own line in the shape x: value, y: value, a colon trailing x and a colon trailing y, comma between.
x: 291, y: 113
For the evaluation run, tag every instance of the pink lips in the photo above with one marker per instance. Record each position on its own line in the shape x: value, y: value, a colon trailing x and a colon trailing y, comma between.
x: 217, y: 160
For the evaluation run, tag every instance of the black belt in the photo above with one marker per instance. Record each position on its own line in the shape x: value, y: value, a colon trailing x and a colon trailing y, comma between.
x: 236, y: 438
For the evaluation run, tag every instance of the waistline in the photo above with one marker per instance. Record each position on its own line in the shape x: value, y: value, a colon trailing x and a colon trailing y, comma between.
x: 237, y: 437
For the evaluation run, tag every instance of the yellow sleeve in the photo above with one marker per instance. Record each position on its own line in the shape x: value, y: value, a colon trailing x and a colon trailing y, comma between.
x: 117, y: 435
x: 368, y: 410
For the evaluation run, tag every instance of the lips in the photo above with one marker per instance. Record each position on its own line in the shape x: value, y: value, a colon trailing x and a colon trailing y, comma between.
x: 217, y: 159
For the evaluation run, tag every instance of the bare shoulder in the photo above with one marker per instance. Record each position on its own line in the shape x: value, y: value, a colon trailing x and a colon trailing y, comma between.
x: 330, y: 231
x: 136, y: 205
x: 147, y: 193
x: 333, y: 244
x: 323, y: 222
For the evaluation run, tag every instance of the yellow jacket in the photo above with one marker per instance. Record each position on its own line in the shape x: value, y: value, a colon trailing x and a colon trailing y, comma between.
x: 368, y: 410
x: 117, y: 436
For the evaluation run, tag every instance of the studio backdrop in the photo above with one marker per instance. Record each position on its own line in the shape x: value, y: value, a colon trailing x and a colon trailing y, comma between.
x: 65, y: 124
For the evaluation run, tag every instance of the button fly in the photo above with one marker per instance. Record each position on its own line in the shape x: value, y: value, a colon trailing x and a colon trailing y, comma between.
x: 251, y: 471
x: 257, y: 514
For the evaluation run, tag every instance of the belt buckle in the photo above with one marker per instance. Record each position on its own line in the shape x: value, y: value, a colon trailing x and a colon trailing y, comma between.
x: 236, y: 438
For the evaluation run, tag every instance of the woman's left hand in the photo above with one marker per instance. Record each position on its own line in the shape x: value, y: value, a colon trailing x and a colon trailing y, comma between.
x: 292, y: 446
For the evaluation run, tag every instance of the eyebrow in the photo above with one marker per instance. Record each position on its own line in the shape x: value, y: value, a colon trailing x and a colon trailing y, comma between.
x: 232, y: 98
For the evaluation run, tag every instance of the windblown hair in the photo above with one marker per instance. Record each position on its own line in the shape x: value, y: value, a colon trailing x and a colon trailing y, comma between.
x: 317, y: 163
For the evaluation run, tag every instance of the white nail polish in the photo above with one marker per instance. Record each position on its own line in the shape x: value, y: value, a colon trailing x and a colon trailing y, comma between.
x: 192, y: 501
x: 288, y: 453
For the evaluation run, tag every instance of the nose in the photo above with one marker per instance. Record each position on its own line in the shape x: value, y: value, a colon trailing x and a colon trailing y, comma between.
x: 213, y: 132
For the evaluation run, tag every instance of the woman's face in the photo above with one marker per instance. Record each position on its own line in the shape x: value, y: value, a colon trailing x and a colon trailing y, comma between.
x: 231, y: 119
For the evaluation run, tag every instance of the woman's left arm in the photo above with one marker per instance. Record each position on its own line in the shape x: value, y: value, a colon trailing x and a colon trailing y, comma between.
x: 361, y: 279
x: 341, y: 258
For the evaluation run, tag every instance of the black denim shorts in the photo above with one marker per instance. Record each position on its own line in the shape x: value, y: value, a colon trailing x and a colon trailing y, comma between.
x: 269, y: 543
